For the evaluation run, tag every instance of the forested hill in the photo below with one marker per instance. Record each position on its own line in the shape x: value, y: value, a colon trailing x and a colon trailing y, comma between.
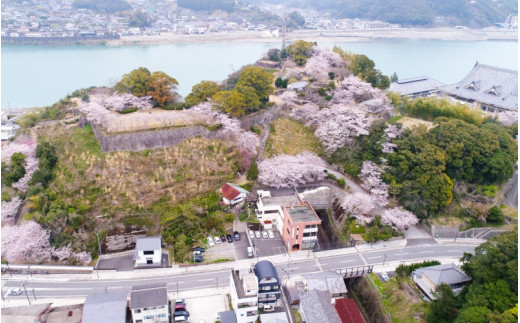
x: 471, y: 13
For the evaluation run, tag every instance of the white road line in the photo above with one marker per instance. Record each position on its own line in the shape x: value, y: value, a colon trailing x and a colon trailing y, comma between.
x: 374, y: 257
x: 428, y: 251
x: 324, y: 264
x: 205, y: 280
x: 347, y: 261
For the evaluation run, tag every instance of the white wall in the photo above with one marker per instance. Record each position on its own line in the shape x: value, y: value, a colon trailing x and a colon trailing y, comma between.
x: 151, y: 312
x: 156, y: 257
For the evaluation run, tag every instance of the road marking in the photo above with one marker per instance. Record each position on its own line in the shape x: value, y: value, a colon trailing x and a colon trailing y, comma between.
x: 427, y: 251
x: 318, y: 263
x: 363, y: 258
x: 347, y: 261
x: 324, y: 264
x: 374, y: 257
x: 205, y: 280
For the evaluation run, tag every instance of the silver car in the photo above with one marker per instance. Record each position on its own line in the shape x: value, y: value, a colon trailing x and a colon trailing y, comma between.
x: 257, y: 234
x: 264, y: 235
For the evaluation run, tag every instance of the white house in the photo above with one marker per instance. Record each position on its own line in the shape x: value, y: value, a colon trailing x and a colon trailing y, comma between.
x: 244, y: 294
x: 232, y: 194
x: 269, y: 209
x: 149, y: 303
x: 148, y: 251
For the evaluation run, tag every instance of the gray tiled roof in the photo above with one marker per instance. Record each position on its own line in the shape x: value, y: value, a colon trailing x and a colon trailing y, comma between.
x: 148, y: 243
x: 228, y: 317
x: 148, y: 295
x: 448, y: 274
x: 326, y: 281
x: 415, y: 85
x: 109, y: 307
x: 485, y: 78
x: 317, y: 307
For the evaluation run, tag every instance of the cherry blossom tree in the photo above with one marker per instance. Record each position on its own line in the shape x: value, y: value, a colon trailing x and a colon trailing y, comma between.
x: 305, y: 113
x: 289, y: 98
x: 26, y: 242
x: 291, y: 171
x: 371, y: 176
x: 508, y: 117
x: 398, y: 218
x: 125, y: 101
x: 26, y: 146
x: 66, y: 254
x: 391, y: 132
x: 323, y: 61
x: 361, y: 91
x: 359, y: 205
x: 10, y: 209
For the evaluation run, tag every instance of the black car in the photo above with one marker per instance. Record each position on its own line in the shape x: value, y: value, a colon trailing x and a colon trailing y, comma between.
x: 237, y: 235
x: 223, y: 238
x: 229, y: 238
x: 200, y: 249
x: 181, y: 313
x: 198, y: 258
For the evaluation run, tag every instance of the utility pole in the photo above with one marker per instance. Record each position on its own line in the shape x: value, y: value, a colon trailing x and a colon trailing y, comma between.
x: 25, y: 290
x: 384, y: 260
x: 99, y: 245
x: 34, y: 294
x: 8, y: 269
x: 284, y: 28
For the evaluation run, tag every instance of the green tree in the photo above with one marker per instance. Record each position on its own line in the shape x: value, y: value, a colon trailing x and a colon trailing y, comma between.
x: 15, y: 171
x: 230, y: 102
x: 139, y: 19
x: 394, y: 78
x: 252, y: 102
x: 252, y: 172
x: 443, y: 309
x: 475, y: 314
x: 278, y: 82
x: 495, y: 215
x: 162, y: 88
x: 258, y: 79
x: 299, y: 51
x: 274, y: 54
x: 136, y: 82
x: 200, y: 92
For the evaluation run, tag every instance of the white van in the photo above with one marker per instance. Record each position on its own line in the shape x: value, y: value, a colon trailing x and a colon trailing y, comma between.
x: 249, y: 251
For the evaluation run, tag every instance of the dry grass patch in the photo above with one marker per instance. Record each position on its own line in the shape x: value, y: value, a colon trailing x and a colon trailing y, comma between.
x: 291, y: 137
x: 409, y: 123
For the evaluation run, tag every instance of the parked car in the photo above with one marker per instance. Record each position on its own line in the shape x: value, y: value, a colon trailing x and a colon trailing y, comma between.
x: 197, y: 253
x: 200, y: 249
x: 237, y: 235
x: 385, y: 276
x: 180, y: 301
x: 217, y: 239
x: 223, y: 238
x: 211, y: 242
x: 180, y: 319
x: 257, y: 234
x: 182, y: 313
x: 264, y: 235
x: 229, y: 238
x: 249, y: 251
x: 198, y: 258
x: 251, y: 234
x: 270, y: 233
x: 15, y: 291
x: 180, y: 307
x: 268, y: 308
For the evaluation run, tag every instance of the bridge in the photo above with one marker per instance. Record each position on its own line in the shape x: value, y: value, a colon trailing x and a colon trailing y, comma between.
x: 355, y: 271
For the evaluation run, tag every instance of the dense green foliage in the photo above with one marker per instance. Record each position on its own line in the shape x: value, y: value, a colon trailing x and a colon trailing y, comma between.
x: 299, y: 51
x: 252, y: 171
x: 159, y: 85
x: 377, y: 231
x: 207, y: 5
x: 139, y: 19
x: 364, y: 68
x: 200, y: 92
x: 230, y: 102
x: 47, y: 160
x: 102, y: 6
x: 432, y: 108
x: 492, y: 294
x: 13, y: 172
x: 495, y: 215
x: 406, y: 270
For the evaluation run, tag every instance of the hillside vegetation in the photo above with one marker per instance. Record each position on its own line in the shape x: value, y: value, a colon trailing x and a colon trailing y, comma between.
x: 291, y: 137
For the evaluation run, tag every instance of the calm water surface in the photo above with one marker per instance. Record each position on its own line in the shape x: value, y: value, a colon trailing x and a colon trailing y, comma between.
x: 39, y: 76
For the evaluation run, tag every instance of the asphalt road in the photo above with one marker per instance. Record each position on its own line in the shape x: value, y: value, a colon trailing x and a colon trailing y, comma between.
x: 511, y: 192
x: 54, y: 287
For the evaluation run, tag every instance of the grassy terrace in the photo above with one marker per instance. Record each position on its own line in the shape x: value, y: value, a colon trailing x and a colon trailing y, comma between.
x: 291, y: 137
x: 401, y: 301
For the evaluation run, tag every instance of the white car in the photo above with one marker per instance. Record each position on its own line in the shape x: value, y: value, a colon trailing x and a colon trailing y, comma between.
x: 217, y: 240
x: 271, y: 234
x: 251, y: 234
x: 211, y: 242
x: 264, y: 235
x: 15, y: 291
x: 385, y: 276
x: 257, y: 234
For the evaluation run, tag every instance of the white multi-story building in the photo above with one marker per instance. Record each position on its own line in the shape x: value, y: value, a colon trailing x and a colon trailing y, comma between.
x: 269, y: 209
x: 148, y: 251
x: 149, y: 303
x: 244, y: 294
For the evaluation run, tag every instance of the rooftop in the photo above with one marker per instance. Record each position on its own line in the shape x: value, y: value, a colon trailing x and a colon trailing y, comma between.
x: 348, y: 311
x: 148, y: 243
x: 317, y: 308
x: 448, y: 274
x: 302, y: 213
x: 24, y: 314
x: 247, y: 281
x: 148, y: 295
x: 415, y: 85
x: 265, y: 270
x: 326, y: 281
x: 230, y: 191
x: 287, y: 200
x: 110, y: 307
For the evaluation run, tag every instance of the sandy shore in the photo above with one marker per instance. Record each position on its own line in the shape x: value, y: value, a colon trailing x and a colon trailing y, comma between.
x: 323, y: 36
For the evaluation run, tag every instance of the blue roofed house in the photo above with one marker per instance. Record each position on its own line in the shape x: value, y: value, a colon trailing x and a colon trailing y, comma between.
x: 269, y: 284
x: 110, y: 307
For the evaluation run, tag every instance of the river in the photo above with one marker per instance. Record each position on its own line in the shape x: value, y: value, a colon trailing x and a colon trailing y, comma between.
x: 38, y: 76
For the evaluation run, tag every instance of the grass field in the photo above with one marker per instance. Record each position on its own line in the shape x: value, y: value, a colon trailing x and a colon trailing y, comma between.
x: 291, y: 137
x: 401, y: 300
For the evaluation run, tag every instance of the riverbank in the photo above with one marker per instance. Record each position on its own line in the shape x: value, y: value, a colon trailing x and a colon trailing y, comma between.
x: 324, y: 36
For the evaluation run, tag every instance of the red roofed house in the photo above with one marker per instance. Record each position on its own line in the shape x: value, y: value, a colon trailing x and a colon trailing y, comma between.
x: 348, y: 311
x: 232, y: 194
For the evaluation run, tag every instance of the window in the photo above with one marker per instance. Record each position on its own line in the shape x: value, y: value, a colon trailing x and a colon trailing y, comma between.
x: 137, y: 311
x: 495, y: 90
x: 309, y: 234
x: 148, y: 252
x: 162, y: 306
x: 160, y: 315
x: 138, y: 321
x: 312, y: 226
x: 473, y: 86
x: 149, y: 261
x: 296, y: 236
x: 251, y: 313
x: 288, y: 232
x: 148, y: 317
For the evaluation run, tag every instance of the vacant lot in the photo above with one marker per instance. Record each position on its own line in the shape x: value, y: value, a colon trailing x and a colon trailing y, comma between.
x: 290, y: 137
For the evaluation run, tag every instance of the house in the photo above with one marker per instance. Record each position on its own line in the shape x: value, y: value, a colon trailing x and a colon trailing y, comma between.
x: 300, y: 228
x: 148, y: 252
x: 232, y: 194
x: 149, y: 303
x: 297, y: 86
x: 348, y: 311
x: 488, y: 88
x: 329, y: 281
x: 422, y: 86
x: 269, y: 284
x: 7, y: 132
x: 428, y: 278
x: 110, y: 307
x: 269, y: 209
x: 244, y: 294
x: 316, y: 307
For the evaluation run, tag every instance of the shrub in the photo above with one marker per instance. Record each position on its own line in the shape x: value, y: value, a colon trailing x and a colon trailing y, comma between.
x: 331, y: 75
x: 341, y: 182
x: 255, y: 129
x: 285, y: 83
x: 252, y: 172
x: 321, y: 91
x: 406, y: 270
x: 128, y: 111
x: 496, y: 215
x: 278, y: 82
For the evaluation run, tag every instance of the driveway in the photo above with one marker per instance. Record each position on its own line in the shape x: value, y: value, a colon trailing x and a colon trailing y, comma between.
x: 241, y: 246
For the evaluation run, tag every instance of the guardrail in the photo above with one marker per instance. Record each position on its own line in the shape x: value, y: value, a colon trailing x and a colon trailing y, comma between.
x: 45, y: 269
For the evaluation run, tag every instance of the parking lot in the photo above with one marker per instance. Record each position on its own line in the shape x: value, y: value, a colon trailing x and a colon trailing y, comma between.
x: 205, y: 307
x: 266, y: 247
x: 223, y: 250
